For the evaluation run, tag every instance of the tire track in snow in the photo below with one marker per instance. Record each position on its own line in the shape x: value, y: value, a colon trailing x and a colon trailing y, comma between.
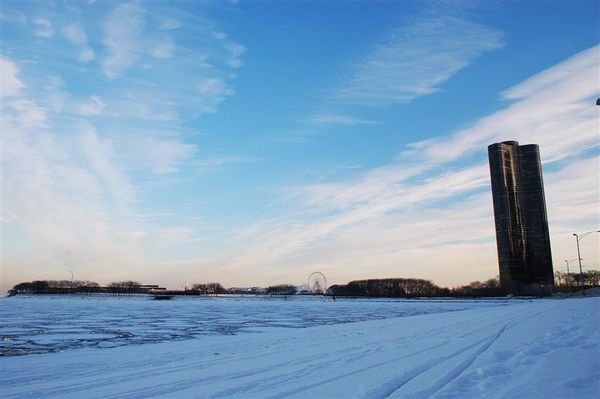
x: 462, y: 366
x: 258, y: 378
x: 90, y: 380
x: 458, y: 370
x: 326, y: 363
x: 304, y: 366
x: 415, y: 372
x: 409, y: 375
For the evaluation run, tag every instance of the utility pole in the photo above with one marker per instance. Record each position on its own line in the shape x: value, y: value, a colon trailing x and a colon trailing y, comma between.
x: 580, y: 269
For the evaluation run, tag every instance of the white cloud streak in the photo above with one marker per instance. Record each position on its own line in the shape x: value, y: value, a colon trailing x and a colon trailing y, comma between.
x: 412, y: 61
x: 63, y: 190
x: 75, y: 34
x: 212, y: 92
x: 11, y: 84
x: 77, y: 160
x: 101, y: 157
x: 92, y: 106
x: 415, y: 59
x: 173, y: 235
x: 42, y: 27
x: 337, y: 119
x: 163, y: 49
x: 553, y: 104
x: 165, y: 155
x: 122, y: 41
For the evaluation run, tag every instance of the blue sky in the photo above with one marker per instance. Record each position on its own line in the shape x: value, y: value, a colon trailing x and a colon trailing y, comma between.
x: 254, y: 142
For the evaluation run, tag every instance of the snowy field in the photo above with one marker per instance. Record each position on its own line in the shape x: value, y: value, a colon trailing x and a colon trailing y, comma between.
x: 103, y: 347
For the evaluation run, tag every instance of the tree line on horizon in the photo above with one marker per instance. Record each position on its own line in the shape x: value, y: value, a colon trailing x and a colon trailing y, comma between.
x: 130, y: 287
x: 415, y: 288
x: 568, y: 282
x: 387, y: 287
x: 76, y: 286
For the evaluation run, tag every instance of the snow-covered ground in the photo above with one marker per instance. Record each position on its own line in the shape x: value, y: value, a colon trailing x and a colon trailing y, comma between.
x: 55, y: 323
x: 457, y: 349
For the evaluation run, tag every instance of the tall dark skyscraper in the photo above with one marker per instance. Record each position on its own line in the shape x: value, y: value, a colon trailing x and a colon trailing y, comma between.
x: 522, y: 235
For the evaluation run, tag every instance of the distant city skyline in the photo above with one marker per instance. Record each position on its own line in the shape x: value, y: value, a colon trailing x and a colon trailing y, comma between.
x: 251, y: 143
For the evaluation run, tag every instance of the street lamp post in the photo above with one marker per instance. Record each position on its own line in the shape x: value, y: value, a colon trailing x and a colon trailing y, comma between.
x: 579, y: 259
x: 578, y: 237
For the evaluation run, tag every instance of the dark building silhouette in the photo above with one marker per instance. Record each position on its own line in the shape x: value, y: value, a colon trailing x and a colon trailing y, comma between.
x: 522, y: 236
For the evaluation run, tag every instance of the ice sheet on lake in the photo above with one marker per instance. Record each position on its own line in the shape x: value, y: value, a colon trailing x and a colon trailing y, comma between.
x: 533, y: 349
x: 40, y: 324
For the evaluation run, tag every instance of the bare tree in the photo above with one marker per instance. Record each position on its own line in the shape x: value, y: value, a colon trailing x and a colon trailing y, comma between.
x: 282, y: 289
x: 208, y: 288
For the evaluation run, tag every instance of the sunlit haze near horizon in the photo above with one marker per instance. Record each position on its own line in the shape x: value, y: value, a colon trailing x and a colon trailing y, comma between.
x: 253, y: 142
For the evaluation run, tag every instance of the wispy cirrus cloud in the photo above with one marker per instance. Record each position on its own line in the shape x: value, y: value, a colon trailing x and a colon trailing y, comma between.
x: 163, y: 155
x: 162, y: 49
x: 91, y: 106
x: 211, y: 93
x: 11, y: 84
x: 139, y: 41
x: 339, y: 119
x: 414, y: 60
x: 75, y: 34
x: 81, y: 143
x: 566, y: 73
x: 122, y: 40
x: 62, y: 186
x: 159, y: 76
x: 553, y: 109
x: 42, y: 27
x: 173, y: 235
x: 213, y: 162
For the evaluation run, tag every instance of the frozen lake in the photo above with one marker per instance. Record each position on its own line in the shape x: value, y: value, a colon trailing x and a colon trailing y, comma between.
x: 43, y: 324
x: 301, y: 348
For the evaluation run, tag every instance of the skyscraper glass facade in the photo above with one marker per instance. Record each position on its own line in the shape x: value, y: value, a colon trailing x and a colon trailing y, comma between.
x: 522, y: 236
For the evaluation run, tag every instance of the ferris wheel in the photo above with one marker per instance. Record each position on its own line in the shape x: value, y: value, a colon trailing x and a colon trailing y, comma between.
x: 317, y: 283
